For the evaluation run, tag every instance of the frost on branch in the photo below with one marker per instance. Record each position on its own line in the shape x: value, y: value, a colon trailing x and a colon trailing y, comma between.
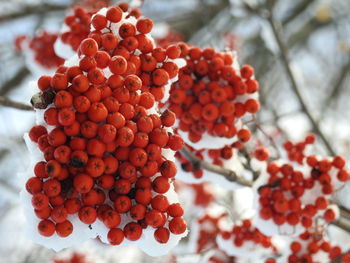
x: 102, y: 152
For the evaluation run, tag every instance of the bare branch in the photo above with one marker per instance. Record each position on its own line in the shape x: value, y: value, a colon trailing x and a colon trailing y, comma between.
x: 14, y: 104
x: 32, y: 10
x: 285, y: 61
x: 14, y: 81
x: 338, y: 83
x: 297, y: 10
x: 227, y: 173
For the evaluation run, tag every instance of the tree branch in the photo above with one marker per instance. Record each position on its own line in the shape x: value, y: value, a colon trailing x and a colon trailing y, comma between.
x: 226, y: 173
x: 338, y: 83
x: 285, y: 61
x: 32, y: 10
x: 297, y: 10
x: 14, y: 81
x: 14, y: 104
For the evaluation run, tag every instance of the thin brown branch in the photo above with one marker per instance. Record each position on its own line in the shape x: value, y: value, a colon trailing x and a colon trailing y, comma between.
x: 297, y: 10
x: 14, y: 81
x: 248, y: 166
x: 8, y: 190
x: 342, y: 223
x: 32, y: 10
x: 338, y: 83
x: 226, y: 173
x: 14, y: 104
x: 285, y: 61
x: 344, y: 212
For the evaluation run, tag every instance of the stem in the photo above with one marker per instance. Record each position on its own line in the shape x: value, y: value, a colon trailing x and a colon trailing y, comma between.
x: 32, y: 10
x: 15, y: 81
x: 14, y: 104
x: 285, y: 61
x: 226, y: 173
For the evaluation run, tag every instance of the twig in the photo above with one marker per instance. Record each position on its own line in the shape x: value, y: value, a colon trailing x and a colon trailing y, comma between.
x: 344, y: 212
x: 8, y: 190
x: 14, y: 104
x: 32, y: 10
x: 297, y: 10
x: 343, y: 224
x: 272, y: 141
x: 227, y: 173
x: 338, y: 83
x: 14, y: 81
x: 248, y: 166
x: 285, y: 61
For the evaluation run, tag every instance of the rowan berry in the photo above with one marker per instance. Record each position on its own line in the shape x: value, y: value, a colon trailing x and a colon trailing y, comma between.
x: 115, y: 236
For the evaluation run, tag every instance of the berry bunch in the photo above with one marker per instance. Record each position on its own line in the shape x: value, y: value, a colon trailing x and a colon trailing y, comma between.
x: 106, y: 146
x: 298, y: 194
x: 212, y: 95
x: 74, y: 258
x: 77, y: 25
x: 208, y: 231
x: 244, y: 237
x: 246, y: 232
x: 311, y: 248
x: 42, y: 46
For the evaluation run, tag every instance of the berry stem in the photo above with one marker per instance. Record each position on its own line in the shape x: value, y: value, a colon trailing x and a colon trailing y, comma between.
x: 14, y: 104
x: 228, y: 174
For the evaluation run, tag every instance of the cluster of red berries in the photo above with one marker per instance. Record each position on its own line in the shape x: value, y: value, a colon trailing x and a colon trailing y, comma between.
x: 211, y: 95
x: 42, y: 46
x: 203, y: 197
x: 208, y: 231
x: 104, y: 149
x: 307, y: 246
x: 74, y: 258
x: 246, y: 232
x: 282, y: 198
x: 80, y: 21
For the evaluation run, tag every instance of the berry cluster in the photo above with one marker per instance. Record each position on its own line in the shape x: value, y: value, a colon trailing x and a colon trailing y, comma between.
x: 106, y: 144
x: 211, y: 95
x: 311, y: 248
x: 246, y: 232
x: 298, y: 195
x: 74, y: 258
x: 208, y: 231
x: 42, y: 46
x: 78, y: 24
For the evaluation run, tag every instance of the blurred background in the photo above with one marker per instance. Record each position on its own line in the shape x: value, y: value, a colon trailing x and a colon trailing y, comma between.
x: 300, y: 51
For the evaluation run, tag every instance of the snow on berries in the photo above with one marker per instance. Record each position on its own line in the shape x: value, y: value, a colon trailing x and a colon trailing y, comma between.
x: 296, y: 195
x: 103, y: 151
x: 211, y: 97
x: 309, y: 247
x: 244, y: 237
